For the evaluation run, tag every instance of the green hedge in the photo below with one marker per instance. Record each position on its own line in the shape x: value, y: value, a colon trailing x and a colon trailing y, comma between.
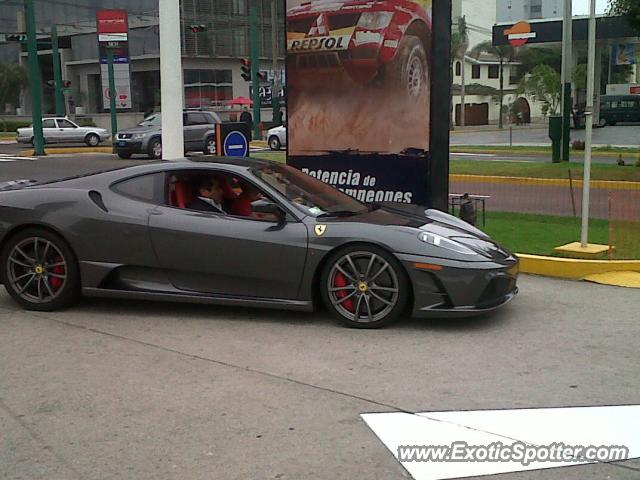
x: 13, y: 125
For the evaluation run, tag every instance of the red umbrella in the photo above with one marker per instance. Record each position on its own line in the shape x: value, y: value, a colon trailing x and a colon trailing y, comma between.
x: 241, y: 101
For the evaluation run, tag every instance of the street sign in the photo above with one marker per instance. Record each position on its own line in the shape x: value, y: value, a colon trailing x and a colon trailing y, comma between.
x: 236, y: 145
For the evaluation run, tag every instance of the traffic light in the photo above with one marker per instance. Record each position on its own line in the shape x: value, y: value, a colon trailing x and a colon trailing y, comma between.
x: 198, y: 28
x: 263, y: 76
x: 246, y: 69
x: 66, y: 84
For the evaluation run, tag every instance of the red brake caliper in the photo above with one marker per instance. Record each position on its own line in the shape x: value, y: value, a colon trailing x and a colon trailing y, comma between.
x: 341, y: 281
x: 56, y: 282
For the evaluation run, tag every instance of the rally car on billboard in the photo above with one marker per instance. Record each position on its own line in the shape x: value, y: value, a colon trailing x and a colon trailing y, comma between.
x: 388, y: 42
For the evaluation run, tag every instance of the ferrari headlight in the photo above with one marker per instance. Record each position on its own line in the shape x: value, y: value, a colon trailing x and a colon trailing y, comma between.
x: 375, y: 20
x: 442, y: 242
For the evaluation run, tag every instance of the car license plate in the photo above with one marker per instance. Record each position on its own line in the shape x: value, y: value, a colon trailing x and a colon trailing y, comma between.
x: 122, y: 144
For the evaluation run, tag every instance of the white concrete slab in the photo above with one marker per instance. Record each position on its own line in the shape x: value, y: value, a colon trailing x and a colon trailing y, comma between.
x: 522, y: 428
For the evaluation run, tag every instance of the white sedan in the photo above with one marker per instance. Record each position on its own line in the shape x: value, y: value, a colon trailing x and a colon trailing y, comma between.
x: 63, y: 130
x: 277, y: 137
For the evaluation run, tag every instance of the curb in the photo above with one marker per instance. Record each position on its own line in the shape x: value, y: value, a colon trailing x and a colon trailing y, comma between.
x: 573, y: 269
x: 555, y: 182
x: 69, y: 150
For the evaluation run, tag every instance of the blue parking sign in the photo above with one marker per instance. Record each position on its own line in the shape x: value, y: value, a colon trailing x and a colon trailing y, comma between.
x: 236, y: 145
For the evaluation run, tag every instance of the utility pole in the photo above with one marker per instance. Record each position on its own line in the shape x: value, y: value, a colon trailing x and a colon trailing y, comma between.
x: 275, y: 92
x: 464, y: 37
x: 171, y: 87
x: 255, y: 67
x: 34, y: 77
x: 567, y: 47
x: 591, y: 71
x: 112, y: 99
x: 57, y: 72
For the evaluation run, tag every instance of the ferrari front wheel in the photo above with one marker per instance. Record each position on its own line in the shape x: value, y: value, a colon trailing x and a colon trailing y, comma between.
x: 364, y: 287
x: 39, y: 270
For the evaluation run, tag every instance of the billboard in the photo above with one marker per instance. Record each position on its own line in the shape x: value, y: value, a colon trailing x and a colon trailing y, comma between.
x: 624, y: 54
x: 359, y: 93
x: 113, y: 35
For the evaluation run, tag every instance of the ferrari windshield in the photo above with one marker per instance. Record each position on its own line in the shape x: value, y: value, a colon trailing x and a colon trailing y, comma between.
x: 312, y: 196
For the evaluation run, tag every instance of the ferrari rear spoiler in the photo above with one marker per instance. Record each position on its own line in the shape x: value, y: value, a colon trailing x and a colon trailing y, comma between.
x: 17, y: 184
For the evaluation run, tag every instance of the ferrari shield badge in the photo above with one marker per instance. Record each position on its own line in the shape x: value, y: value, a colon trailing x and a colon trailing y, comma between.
x: 320, y: 230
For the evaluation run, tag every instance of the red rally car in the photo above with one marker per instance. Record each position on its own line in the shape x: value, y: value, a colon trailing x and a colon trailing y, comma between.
x: 387, y: 42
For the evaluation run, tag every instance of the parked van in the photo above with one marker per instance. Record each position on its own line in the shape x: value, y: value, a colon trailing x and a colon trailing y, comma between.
x: 619, y: 108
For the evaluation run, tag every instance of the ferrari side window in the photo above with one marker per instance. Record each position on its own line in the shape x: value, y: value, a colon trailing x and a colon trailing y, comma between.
x: 148, y: 188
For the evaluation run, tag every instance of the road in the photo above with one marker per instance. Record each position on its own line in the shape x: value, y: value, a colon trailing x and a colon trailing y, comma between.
x: 124, y: 389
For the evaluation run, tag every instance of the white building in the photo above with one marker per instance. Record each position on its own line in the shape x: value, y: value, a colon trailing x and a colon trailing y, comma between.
x: 517, y: 10
x: 482, y: 74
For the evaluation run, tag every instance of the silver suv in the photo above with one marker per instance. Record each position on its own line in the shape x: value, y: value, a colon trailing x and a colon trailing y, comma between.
x: 146, y: 138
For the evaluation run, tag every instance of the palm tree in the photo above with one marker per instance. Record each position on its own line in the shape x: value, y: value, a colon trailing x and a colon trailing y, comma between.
x: 459, y: 47
x: 506, y: 53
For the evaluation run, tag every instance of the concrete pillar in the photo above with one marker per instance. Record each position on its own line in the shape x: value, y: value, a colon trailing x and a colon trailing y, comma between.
x: 171, y: 84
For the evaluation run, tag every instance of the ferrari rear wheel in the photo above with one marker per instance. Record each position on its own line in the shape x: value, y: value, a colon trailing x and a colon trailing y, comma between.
x: 39, y: 270
x: 364, y: 287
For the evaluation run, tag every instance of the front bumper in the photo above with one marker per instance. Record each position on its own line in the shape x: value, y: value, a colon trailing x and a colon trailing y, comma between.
x: 460, y: 289
x: 129, y: 146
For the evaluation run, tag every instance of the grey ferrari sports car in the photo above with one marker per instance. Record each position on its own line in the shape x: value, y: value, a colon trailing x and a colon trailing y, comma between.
x: 243, y: 232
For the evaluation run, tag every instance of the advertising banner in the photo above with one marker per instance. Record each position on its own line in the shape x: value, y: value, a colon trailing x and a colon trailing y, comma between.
x: 624, y: 54
x: 113, y: 35
x: 359, y: 95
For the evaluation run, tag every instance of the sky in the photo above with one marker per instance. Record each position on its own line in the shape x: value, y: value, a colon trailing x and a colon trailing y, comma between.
x: 581, y: 7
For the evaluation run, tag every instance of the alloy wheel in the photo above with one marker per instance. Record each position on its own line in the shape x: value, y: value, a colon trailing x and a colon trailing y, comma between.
x: 363, y: 287
x: 37, y: 270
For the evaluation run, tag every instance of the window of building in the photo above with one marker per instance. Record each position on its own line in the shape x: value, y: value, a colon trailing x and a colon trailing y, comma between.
x: 475, y: 71
x: 494, y: 71
x: 535, y: 9
x: 458, y: 69
x: 206, y: 88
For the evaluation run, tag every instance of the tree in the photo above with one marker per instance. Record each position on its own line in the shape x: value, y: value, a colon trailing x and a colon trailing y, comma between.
x: 626, y: 8
x: 505, y: 53
x: 459, y: 47
x: 543, y: 84
x: 531, y: 57
x: 13, y: 79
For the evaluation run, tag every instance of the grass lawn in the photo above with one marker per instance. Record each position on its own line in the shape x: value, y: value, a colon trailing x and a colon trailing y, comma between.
x: 540, y: 234
x: 599, y: 171
x: 7, y: 135
x: 280, y: 156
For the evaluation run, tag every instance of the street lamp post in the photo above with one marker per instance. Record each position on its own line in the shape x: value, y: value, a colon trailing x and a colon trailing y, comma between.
x: 112, y: 99
x: 34, y: 77
x: 591, y: 70
x: 57, y: 72
x: 275, y: 93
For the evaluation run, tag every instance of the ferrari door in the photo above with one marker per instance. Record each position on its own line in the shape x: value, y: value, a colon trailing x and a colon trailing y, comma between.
x: 226, y: 255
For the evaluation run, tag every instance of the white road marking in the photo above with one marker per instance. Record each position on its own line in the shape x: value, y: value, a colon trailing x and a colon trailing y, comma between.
x: 473, y: 155
x: 571, y: 426
x: 11, y: 158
